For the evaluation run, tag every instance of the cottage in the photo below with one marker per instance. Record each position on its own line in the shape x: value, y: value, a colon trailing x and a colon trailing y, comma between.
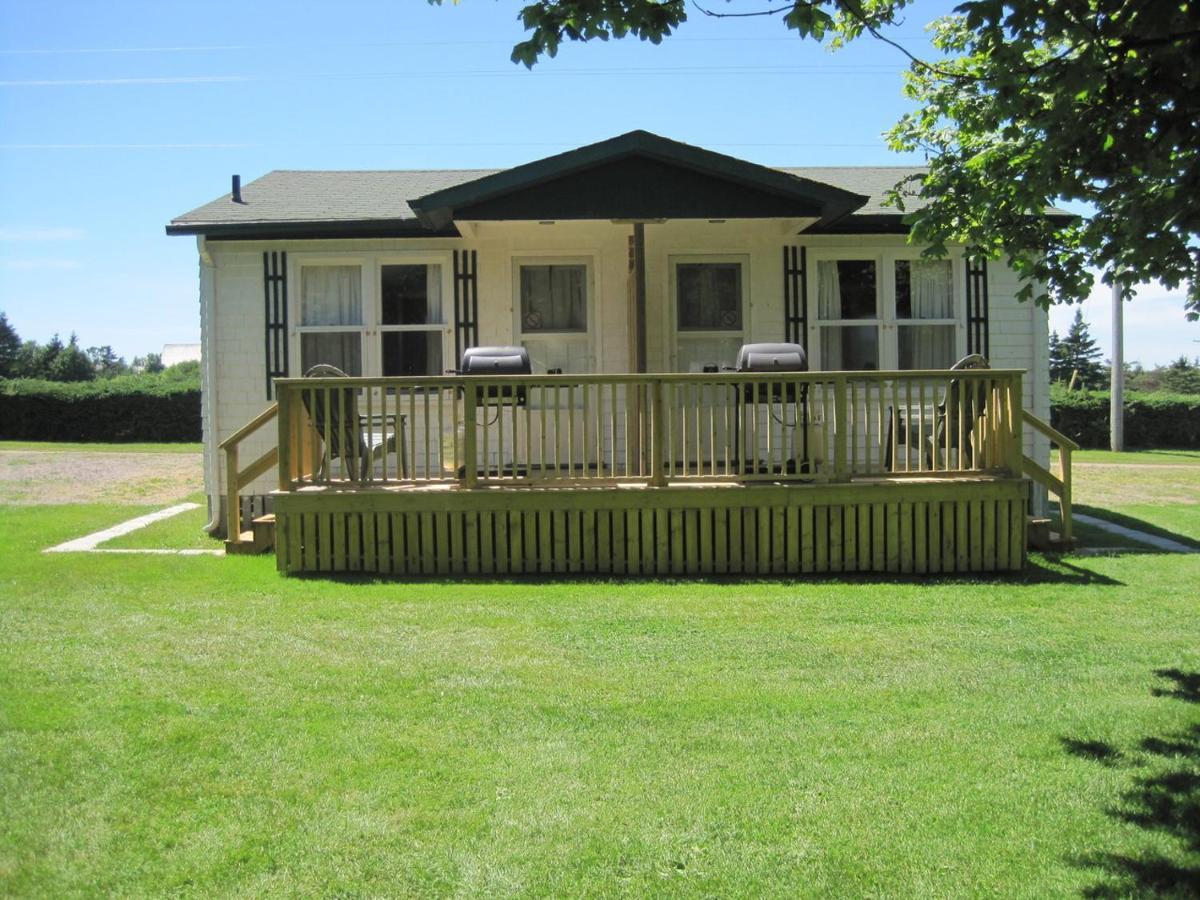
x: 631, y: 272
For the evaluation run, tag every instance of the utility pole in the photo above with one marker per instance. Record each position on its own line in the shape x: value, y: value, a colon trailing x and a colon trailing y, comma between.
x: 1116, y: 409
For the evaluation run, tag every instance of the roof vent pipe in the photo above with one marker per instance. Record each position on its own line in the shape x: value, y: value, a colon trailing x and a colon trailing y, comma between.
x: 236, y: 190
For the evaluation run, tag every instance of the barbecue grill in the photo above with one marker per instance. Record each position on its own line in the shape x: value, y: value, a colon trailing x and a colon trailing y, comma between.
x: 771, y: 358
x: 775, y: 358
x: 498, y: 361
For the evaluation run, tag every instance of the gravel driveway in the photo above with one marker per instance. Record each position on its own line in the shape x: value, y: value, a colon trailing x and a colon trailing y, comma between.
x: 66, y: 476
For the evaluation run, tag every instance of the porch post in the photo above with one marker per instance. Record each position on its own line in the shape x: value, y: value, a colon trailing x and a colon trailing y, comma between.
x: 639, y: 295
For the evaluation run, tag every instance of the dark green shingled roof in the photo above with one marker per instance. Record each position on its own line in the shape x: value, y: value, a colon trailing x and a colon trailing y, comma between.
x: 380, y: 203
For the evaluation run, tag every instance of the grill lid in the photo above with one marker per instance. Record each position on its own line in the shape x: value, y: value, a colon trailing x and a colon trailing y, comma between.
x: 495, y: 361
x: 772, y: 358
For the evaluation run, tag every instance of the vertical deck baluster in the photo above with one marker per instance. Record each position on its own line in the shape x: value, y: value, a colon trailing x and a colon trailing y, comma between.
x: 441, y: 431
x: 470, y: 477
x: 501, y: 405
x: 412, y: 426
x: 454, y: 419
x: 486, y: 401
x: 908, y: 424
x: 922, y: 440
x: 428, y: 469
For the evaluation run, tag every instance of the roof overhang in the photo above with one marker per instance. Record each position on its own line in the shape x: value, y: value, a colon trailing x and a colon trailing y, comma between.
x: 637, y: 176
x: 269, y: 231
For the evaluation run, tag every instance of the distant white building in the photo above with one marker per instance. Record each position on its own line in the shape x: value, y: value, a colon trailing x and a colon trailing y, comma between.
x: 173, y: 354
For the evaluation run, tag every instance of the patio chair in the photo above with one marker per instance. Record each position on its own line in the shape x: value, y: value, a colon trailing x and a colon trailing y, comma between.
x: 335, y: 415
x: 969, y: 397
x: 965, y: 399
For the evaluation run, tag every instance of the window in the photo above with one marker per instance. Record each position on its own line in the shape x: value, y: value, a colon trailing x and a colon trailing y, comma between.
x: 373, y: 315
x: 709, y: 313
x: 331, y: 317
x: 411, y: 322
x: 848, y: 306
x: 891, y: 311
x: 553, y: 299
x: 925, y: 313
x: 552, y: 314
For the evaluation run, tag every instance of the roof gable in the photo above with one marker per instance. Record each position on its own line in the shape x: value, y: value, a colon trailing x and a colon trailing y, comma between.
x: 636, y: 175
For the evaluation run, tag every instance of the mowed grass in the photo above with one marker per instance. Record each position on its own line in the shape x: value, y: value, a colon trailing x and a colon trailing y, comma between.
x: 203, y: 727
x: 1153, y: 491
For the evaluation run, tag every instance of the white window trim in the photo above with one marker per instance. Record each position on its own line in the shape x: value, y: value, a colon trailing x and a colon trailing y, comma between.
x: 369, y: 264
x: 592, y: 333
x: 885, y: 292
x: 673, y: 330
x: 445, y: 327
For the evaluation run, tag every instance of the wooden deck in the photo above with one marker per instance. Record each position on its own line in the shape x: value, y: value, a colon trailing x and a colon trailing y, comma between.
x: 647, y: 475
x: 916, y: 525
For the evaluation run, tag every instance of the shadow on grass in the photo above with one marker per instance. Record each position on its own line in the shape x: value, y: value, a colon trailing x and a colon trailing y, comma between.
x: 1163, y: 799
x: 1039, y: 570
x: 1138, y: 525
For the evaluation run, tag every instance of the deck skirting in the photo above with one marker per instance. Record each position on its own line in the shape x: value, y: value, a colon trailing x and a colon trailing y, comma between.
x: 895, y: 526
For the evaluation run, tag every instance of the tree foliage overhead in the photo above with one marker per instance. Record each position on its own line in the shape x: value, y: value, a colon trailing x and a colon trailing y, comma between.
x: 1024, y: 104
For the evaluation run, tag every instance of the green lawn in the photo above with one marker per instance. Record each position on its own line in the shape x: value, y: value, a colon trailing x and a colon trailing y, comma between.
x: 201, y: 726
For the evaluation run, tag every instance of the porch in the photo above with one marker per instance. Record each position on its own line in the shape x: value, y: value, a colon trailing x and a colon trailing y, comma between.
x: 648, y: 474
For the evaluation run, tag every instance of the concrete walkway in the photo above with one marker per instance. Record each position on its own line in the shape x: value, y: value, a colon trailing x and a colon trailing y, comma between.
x: 90, y: 543
x: 1153, y: 540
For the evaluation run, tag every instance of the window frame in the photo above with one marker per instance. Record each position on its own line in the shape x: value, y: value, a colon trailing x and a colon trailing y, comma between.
x: 673, y: 330
x: 445, y: 327
x: 590, y: 287
x: 887, y: 322
x: 371, y: 330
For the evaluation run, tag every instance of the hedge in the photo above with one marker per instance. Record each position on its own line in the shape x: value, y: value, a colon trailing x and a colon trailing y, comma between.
x: 125, y: 409
x: 1151, y: 420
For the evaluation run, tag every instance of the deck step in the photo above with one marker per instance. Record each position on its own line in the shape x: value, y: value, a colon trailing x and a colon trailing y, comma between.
x: 1039, y: 533
x: 259, y: 539
x: 1041, y: 538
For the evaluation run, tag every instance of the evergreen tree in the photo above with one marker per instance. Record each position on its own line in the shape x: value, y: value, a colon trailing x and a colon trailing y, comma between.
x: 71, y: 363
x: 10, y: 348
x: 151, y: 363
x: 105, y: 362
x: 1059, y: 370
x: 1077, y: 353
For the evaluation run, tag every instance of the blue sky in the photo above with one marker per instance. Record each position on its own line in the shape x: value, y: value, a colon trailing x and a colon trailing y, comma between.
x: 117, y: 116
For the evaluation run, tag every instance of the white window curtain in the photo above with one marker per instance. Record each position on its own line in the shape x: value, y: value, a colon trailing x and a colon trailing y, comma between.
x: 829, y: 290
x: 331, y: 295
x: 433, y: 294
x: 931, y: 286
x: 553, y: 298
x: 932, y: 297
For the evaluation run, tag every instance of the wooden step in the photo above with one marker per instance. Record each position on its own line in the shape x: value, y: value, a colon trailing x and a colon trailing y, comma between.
x: 259, y: 539
x: 1041, y: 538
x: 1039, y: 534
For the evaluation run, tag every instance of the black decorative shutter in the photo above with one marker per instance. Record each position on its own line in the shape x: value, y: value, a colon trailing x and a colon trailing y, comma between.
x: 977, y: 306
x: 275, y: 299
x: 795, y: 295
x: 466, y: 302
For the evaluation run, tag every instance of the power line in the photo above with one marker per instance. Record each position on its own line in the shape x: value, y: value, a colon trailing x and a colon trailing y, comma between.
x: 689, y: 71
x: 351, y: 45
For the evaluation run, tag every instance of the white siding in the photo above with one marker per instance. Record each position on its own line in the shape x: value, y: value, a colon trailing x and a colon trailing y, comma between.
x: 232, y: 303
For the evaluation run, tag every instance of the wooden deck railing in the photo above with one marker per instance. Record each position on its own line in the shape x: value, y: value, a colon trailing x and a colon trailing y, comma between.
x: 1060, y: 484
x: 237, y: 478
x: 655, y: 429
